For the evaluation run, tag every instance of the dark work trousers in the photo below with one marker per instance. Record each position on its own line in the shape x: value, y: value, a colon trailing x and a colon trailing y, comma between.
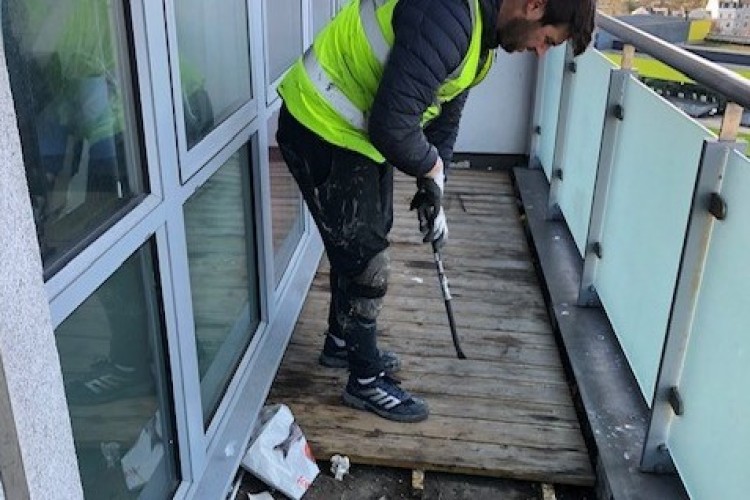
x: 350, y: 198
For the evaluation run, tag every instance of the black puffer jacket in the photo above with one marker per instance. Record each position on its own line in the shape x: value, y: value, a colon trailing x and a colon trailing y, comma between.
x: 431, y: 39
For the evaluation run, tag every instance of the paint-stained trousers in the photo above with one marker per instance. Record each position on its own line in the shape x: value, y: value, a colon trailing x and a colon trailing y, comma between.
x: 350, y: 198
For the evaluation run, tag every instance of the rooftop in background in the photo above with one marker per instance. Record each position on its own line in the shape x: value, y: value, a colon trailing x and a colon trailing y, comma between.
x: 620, y: 7
x: 688, y: 34
x: 719, y: 47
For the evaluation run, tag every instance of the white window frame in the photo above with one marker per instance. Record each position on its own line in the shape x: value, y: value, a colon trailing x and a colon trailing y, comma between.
x: 208, y: 458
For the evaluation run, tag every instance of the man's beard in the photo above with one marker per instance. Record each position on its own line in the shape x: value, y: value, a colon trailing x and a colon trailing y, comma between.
x: 514, y: 34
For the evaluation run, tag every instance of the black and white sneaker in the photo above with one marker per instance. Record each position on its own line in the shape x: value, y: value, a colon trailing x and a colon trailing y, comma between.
x: 384, y: 397
x: 335, y: 356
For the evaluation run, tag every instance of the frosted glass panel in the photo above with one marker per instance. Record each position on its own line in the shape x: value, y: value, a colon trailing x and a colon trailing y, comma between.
x: 645, y: 223
x: 554, y: 62
x: 709, y: 443
x: 580, y: 151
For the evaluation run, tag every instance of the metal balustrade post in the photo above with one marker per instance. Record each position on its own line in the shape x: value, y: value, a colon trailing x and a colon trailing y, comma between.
x: 707, y: 208
x: 595, y: 250
x: 569, y: 73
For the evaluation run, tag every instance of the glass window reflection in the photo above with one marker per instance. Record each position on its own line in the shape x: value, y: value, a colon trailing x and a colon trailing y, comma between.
x: 214, y: 62
x: 283, y: 35
x: 222, y: 259
x: 287, y: 214
x: 71, y: 79
x: 113, y: 361
x: 321, y: 14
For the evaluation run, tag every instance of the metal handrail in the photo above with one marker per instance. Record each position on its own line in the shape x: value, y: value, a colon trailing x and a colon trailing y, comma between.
x: 733, y: 86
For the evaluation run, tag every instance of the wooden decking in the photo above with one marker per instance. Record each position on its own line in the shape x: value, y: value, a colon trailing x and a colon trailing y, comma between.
x: 506, y: 411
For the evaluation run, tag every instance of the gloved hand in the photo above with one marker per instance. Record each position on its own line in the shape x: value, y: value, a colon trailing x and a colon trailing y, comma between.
x: 428, y: 202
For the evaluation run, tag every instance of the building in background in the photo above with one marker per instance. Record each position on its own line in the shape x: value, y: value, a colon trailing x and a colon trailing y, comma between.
x: 733, y: 22
x: 698, y: 34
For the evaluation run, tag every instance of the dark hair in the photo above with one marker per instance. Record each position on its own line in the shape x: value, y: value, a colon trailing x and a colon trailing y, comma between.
x: 578, y: 15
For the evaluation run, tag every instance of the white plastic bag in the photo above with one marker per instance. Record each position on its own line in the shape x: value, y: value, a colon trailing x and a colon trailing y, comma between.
x: 141, y: 461
x: 279, y: 454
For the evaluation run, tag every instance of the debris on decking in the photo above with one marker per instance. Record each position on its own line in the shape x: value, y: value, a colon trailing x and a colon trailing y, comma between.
x: 504, y: 412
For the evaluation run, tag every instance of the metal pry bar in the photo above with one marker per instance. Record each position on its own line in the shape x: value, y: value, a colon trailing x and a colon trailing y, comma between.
x: 447, y: 298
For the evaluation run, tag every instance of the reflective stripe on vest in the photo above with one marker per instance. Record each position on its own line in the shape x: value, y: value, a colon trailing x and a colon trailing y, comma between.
x: 374, y: 34
x: 335, y: 97
x: 380, y: 49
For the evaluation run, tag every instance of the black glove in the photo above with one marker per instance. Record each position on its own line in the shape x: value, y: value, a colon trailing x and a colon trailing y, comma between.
x: 428, y: 202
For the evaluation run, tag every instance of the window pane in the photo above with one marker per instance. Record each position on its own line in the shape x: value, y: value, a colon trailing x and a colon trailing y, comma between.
x: 321, y: 14
x: 221, y: 253
x: 113, y: 361
x: 71, y: 80
x: 287, y: 216
x: 214, y: 59
x: 340, y: 4
x: 283, y: 34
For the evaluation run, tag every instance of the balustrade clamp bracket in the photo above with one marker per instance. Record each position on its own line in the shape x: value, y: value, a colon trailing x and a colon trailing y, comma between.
x: 558, y: 174
x: 596, y: 249
x: 538, y: 130
x: 554, y: 212
x: 618, y: 111
x: 675, y: 401
x: 664, y: 465
x: 535, y: 162
x: 572, y: 66
x: 591, y: 298
x: 717, y: 206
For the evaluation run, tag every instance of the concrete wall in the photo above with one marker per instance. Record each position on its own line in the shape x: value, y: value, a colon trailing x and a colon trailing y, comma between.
x: 37, y: 457
x: 497, y: 114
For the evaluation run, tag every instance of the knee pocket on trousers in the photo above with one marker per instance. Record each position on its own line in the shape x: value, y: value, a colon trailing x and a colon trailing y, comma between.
x: 367, y: 308
x: 372, y: 282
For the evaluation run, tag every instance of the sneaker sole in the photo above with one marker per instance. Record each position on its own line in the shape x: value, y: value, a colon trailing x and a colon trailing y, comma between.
x: 359, y: 404
x: 334, y: 362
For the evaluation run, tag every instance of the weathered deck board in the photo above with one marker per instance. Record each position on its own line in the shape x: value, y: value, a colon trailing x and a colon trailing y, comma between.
x: 507, y: 410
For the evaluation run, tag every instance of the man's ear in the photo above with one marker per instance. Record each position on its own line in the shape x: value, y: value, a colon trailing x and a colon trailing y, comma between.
x: 535, y: 9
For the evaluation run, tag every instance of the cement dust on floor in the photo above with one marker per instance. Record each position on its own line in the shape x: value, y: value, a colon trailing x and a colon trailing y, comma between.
x: 366, y: 482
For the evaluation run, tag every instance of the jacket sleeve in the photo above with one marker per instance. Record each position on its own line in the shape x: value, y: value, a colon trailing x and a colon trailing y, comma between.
x: 431, y: 39
x: 443, y: 130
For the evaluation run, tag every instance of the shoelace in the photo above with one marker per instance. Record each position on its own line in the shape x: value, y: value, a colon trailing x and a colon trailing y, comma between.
x: 395, y: 383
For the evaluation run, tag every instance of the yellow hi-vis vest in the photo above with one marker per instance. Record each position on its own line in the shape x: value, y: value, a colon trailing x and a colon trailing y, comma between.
x: 332, y: 87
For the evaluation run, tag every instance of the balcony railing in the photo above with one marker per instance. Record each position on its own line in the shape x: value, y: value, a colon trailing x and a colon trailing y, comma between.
x: 659, y: 208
